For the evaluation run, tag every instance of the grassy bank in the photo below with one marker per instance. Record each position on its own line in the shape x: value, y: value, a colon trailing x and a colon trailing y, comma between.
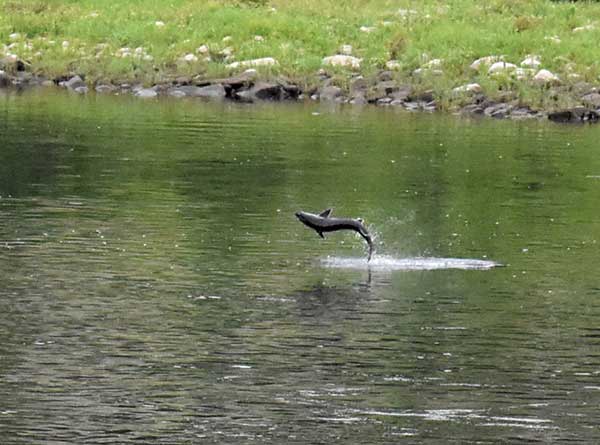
x: 151, y: 41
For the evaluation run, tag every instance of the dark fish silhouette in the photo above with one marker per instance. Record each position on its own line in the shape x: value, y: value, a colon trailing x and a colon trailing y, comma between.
x: 324, y: 223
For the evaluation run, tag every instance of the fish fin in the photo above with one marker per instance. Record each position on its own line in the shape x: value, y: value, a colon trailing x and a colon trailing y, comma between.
x: 325, y: 213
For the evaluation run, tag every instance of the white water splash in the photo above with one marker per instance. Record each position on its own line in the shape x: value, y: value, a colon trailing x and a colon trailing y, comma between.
x: 388, y: 263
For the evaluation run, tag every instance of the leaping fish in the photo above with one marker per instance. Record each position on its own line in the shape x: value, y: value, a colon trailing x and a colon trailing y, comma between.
x: 323, y: 222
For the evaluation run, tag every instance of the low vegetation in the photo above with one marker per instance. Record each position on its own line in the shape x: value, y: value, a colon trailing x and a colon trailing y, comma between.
x: 431, y: 43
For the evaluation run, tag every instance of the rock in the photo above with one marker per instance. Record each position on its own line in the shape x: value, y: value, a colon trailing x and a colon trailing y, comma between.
x: 203, y: 49
x: 105, y: 88
x: 4, y: 79
x: 159, y: 24
x: 523, y: 113
x: 250, y: 73
x: 367, y: 29
x: 474, y: 88
x: 183, y: 80
x: 402, y: 94
x: 14, y: 36
x: 175, y: 92
x: 475, y: 109
x: 146, y: 93
x: 385, y: 76
x: 546, y: 77
x: 531, y: 61
x: 387, y: 87
x: 392, y: 65
x: 264, y: 61
x: 424, y: 96
x: 190, y: 58
x: 359, y: 87
x: 359, y: 99
x: 330, y: 93
x: 574, y: 115
x: 215, y: 91
x: 259, y: 38
x: 226, y: 52
x: 290, y: 90
x: 553, y: 39
x: 342, y: 60
x: 230, y: 83
x: 73, y: 83
x: 81, y: 90
x: 498, y: 111
x: 261, y: 91
x: 501, y: 67
x: 429, y: 106
x: 384, y: 101
x: 485, y: 61
x: 591, y: 100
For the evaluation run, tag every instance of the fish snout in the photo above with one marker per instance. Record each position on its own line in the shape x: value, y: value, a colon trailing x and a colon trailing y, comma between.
x: 300, y: 216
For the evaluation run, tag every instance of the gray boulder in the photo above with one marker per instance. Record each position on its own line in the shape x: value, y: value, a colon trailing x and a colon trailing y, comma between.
x: 146, y: 93
x: 574, y: 115
x: 215, y: 91
x: 591, y: 100
x: 498, y: 111
x: 330, y: 93
x: 105, y: 88
x: 175, y: 92
x: 261, y: 91
x: 4, y: 79
x: 73, y: 83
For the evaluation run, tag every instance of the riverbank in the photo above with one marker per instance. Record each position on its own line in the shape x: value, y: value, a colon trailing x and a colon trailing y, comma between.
x: 521, y: 58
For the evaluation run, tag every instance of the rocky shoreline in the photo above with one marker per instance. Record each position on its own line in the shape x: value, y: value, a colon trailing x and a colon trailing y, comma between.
x: 381, y: 90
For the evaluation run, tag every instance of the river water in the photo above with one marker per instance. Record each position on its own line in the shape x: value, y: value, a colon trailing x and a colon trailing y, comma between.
x: 155, y: 286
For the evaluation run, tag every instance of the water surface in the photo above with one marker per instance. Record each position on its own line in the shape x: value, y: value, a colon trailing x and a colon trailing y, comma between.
x: 155, y: 286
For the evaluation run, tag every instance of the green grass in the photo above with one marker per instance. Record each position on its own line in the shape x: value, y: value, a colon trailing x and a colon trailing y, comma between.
x: 299, y: 33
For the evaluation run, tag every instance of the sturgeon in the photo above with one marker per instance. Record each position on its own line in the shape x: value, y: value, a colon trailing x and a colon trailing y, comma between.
x: 323, y: 222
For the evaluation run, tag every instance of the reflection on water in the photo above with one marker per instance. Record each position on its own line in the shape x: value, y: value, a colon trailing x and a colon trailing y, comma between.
x: 155, y: 286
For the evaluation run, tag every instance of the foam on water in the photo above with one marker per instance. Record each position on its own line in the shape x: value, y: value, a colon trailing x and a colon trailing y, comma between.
x: 389, y: 263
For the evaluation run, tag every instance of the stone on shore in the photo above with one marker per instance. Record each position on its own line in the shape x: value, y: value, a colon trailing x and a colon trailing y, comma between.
x: 342, y: 60
x: 4, y: 79
x: 485, y: 61
x: 591, y: 99
x: 105, y: 88
x: 215, y: 91
x: 146, y: 93
x: 330, y: 93
x: 501, y: 67
x: 203, y: 49
x: 546, y: 77
x: 263, y: 61
x: 473, y: 88
x: 261, y: 91
x: 392, y: 65
x: 73, y: 83
x: 574, y: 115
x: 531, y: 61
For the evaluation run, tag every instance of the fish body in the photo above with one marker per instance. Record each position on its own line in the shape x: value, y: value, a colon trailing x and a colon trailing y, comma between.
x: 324, y: 222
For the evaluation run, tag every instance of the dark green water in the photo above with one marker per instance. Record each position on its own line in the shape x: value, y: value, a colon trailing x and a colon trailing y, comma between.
x: 155, y: 286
